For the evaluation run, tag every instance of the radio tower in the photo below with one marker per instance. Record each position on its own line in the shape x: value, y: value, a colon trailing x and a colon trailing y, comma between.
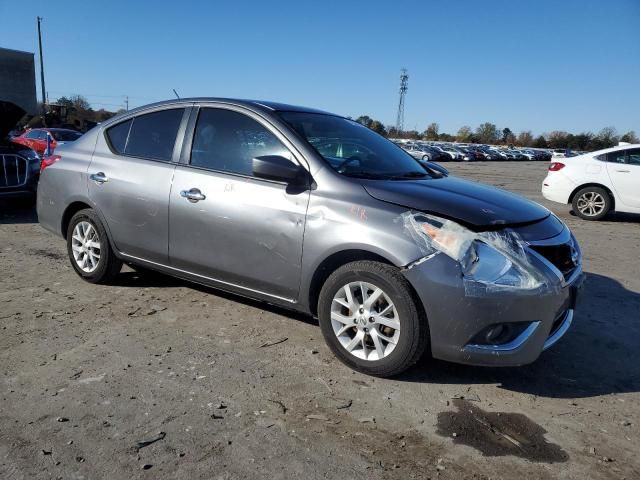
x: 404, y: 80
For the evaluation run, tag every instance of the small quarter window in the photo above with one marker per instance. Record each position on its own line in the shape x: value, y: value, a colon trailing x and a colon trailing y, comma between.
x: 118, y: 134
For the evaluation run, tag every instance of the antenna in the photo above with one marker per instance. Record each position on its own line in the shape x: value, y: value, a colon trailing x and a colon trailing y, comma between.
x: 404, y: 81
x: 176, y: 94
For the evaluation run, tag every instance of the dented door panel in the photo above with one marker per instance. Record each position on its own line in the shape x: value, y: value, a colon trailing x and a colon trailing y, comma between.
x: 246, y: 232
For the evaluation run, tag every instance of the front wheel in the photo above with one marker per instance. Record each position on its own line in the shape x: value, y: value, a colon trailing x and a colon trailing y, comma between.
x: 371, y: 319
x: 591, y: 203
x: 89, y: 250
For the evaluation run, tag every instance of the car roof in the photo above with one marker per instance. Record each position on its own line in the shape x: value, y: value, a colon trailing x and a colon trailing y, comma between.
x: 255, y: 104
x: 615, y: 149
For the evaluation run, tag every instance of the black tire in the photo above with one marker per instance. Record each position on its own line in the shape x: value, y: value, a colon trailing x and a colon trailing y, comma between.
x: 414, y: 331
x: 594, y: 192
x: 109, y: 265
x: 426, y: 158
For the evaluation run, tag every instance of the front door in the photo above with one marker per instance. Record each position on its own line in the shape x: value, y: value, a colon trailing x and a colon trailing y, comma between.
x: 227, y: 225
x: 130, y: 179
x: 623, y: 167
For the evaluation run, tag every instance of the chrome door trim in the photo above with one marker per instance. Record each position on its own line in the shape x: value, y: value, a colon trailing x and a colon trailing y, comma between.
x: 211, y: 279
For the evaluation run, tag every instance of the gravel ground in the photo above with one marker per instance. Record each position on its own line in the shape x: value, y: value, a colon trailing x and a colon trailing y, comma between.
x: 158, y: 378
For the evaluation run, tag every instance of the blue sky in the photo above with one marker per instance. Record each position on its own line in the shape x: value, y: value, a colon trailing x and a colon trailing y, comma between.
x: 542, y: 64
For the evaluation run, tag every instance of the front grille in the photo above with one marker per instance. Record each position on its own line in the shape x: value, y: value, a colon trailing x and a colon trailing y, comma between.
x: 13, y: 171
x: 561, y: 256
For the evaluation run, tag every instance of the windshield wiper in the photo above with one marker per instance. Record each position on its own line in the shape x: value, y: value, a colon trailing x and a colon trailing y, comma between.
x: 409, y: 175
x: 368, y: 175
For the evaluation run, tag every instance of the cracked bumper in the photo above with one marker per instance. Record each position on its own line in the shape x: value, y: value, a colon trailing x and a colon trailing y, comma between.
x: 455, y: 317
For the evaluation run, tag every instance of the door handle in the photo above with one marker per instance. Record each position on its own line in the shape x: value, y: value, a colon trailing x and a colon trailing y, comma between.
x: 99, y: 177
x: 623, y: 171
x: 194, y: 195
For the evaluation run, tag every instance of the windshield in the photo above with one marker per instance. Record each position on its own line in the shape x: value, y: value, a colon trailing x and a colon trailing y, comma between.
x: 65, y: 136
x: 352, y: 149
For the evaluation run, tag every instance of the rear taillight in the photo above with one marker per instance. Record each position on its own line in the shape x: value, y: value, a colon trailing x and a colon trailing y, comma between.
x: 48, y: 161
x: 555, y: 166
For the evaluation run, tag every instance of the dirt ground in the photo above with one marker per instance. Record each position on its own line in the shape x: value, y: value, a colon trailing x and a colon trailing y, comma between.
x: 158, y: 378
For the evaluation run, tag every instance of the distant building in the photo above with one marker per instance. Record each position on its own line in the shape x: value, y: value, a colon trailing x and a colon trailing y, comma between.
x: 18, y: 79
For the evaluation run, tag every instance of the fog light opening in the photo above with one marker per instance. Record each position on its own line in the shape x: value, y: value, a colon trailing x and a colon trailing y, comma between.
x: 494, y: 333
x: 499, y: 333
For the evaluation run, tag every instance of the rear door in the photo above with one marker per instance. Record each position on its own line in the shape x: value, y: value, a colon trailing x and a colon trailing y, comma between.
x: 130, y: 180
x: 623, y: 167
x: 243, y: 231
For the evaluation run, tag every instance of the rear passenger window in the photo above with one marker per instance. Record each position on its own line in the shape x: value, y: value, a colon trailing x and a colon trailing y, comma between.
x: 634, y: 156
x: 616, y: 157
x: 118, y: 134
x: 153, y: 135
x: 228, y: 141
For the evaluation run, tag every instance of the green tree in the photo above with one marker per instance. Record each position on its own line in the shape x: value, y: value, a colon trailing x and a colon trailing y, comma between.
x: 365, y: 120
x: 431, y: 133
x: 557, y: 139
x: 540, y: 142
x: 487, y: 133
x: 508, y: 137
x: 525, y: 138
x: 630, y: 137
x: 464, y: 134
x: 445, y: 137
x: 378, y: 127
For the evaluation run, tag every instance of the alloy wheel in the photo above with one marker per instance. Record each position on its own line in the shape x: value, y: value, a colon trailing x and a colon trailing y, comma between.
x: 365, y: 321
x: 85, y: 244
x: 591, y: 204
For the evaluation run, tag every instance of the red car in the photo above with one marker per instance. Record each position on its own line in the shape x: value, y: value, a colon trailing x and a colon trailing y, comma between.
x: 36, y: 138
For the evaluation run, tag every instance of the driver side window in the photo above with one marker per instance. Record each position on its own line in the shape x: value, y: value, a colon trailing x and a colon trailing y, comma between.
x: 227, y: 141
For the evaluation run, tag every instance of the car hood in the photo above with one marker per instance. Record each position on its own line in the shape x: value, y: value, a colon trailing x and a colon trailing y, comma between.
x: 10, y: 113
x: 473, y: 204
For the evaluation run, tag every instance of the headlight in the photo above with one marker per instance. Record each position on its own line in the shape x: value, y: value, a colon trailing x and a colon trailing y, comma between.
x: 490, y: 261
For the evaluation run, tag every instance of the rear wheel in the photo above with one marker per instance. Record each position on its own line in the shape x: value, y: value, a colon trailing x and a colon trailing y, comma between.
x: 371, y: 319
x: 591, y: 203
x: 89, y: 250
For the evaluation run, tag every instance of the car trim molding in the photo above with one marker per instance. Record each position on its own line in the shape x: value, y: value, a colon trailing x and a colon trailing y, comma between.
x: 211, y: 279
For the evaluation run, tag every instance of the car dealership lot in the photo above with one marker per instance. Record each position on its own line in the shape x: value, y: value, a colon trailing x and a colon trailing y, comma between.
x: 231, y: 388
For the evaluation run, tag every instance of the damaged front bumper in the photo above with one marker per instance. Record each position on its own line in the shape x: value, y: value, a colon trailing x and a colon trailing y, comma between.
x: 477, y: 323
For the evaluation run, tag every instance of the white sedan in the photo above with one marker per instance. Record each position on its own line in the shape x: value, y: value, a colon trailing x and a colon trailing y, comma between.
x: 596, y: 183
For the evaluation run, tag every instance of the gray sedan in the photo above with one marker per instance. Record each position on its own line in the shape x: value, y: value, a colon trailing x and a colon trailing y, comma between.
x: 317, y: 213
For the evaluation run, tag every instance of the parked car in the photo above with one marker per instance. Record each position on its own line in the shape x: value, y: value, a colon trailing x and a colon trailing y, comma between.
x: 470, y: 155
x: 453, y: 155
x: 36, y: 138
x: 417, y: 151
x: 562, y: 153
x: 19, y: 165
x: 454, y: 152
x: 596, y: 183
x: 393, y: 258
x: 490, y: 153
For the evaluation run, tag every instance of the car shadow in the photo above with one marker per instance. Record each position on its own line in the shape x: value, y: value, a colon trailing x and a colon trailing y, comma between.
x: 17, y: 210
x: 145, y: 278
x: 597, y: 356
x: 617, y: 217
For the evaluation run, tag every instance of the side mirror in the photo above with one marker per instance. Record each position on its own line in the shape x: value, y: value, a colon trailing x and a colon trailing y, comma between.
x: 276, y: 167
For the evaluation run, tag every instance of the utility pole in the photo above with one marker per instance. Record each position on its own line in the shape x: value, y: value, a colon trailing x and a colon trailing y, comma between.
x: 126, y: 102
x: 42, y: 72
x: 404, y: 81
